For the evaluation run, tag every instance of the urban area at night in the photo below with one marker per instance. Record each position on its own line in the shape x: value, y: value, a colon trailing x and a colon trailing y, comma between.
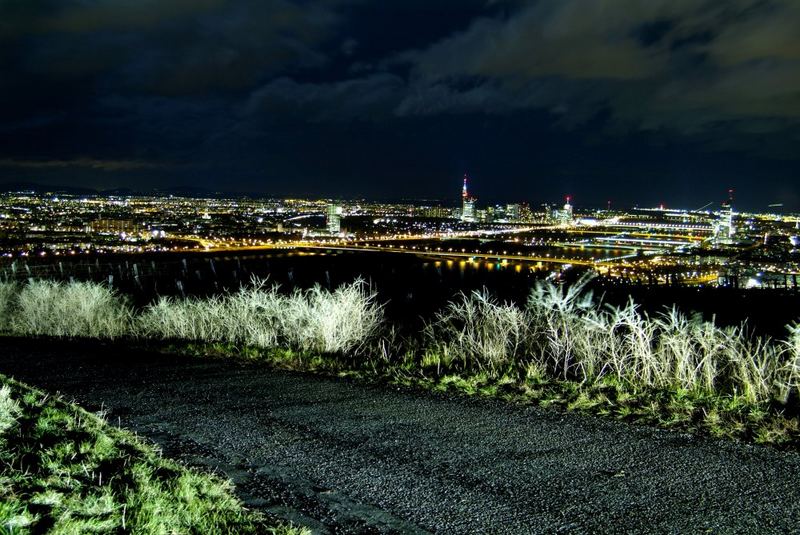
x: 713, y: 245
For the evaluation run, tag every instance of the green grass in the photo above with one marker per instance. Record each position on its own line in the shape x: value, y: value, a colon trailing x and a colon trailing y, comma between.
x: 697, y: 412
x: 64, y: 471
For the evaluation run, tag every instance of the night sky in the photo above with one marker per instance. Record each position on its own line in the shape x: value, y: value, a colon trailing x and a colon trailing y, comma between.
x: 638, y: 102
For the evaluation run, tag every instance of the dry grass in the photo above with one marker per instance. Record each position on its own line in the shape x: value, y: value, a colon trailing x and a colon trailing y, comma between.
x: 75, y: 309
x: 561, y: 333
x: 313, y: 320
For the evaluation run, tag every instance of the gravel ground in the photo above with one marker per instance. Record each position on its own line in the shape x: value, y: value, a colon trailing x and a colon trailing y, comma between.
x: 344, y: 457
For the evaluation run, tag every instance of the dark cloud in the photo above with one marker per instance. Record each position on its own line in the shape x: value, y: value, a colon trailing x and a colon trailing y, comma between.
x: 88, y: 163
x: 166, y: 46
x: 321, y: 96
x: 366, y: 98
x: 657, y: 64
x: 23, y: 17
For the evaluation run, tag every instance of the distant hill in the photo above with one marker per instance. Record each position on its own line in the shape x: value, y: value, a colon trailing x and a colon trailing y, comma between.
x: 122, y: 192
x: 190, y: 191
x: 45, y: 188
x: 177, y: 191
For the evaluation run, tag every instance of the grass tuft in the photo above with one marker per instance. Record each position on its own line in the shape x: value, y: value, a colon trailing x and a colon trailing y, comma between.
x: 64, y: 470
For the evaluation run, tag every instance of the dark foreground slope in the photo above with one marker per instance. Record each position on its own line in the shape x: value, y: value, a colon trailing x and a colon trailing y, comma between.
x: 348, y: 458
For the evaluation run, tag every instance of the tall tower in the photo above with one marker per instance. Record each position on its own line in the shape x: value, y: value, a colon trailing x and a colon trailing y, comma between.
x: 725, y: 229
x: 727, y: 215
x: 566, y: 214
x: 467, y: 204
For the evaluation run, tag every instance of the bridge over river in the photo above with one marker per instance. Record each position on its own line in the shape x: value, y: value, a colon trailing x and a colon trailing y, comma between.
x: 482, y: 255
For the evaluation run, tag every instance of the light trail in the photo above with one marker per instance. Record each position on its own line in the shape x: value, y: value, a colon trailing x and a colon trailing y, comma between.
x: 456, y: 254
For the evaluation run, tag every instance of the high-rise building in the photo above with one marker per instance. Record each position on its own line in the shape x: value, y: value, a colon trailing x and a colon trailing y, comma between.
x: 525, y: 213
x: 513, y: 212
x: 565, y: 215
x: 467, y: 204
x: 468, y: 211
x: 333, y: 219
x: 726, y: 229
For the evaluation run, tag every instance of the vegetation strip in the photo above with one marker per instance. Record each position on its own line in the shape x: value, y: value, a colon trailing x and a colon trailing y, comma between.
x: 65, y: 470
x: 562, y: 347
x: 766, y: 423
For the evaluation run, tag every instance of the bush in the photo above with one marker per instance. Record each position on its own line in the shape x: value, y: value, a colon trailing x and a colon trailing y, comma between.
x: 8, y: 292
x: 341, y: 321
x: 309, y: 320
x: 563, y: 333
x: 479, y: 333
x: 789, y: 375
x: 75, y: 309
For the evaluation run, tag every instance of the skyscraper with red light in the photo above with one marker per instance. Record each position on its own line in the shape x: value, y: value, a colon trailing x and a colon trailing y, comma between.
x: 467, y: 204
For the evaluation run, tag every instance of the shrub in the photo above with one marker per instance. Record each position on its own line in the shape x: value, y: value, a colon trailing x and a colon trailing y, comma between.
x: 8, y: 293
x: 332, y: 322
x: 479, y: 332
x: 563, y: 333
x: 310, y: 320
x: 184, y: 319
x: 789, y: 374
x: 75, y: 309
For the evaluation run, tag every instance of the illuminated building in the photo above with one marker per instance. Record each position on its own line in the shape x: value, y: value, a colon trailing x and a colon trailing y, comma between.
x: 113, y: 226
x: 726, y: 229
x: 525, y: 213
x: 513, y: 212
x: 565, y: 215
x: 333, y: 219
x: 436, y: 212
x: 468, y: 211
x: 467, y: 204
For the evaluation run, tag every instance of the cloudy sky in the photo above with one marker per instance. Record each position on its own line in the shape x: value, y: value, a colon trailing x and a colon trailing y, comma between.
x: 634, y: 101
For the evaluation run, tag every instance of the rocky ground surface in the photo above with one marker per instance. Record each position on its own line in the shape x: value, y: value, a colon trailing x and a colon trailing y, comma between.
x: 345, y: 457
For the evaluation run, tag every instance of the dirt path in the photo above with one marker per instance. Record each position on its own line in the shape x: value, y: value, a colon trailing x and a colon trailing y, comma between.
x: 347, y: 458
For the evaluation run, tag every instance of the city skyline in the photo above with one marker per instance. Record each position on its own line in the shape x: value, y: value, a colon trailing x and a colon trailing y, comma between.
x: 338, y: 98
x: 488, y: 198
x: 721, y: 247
